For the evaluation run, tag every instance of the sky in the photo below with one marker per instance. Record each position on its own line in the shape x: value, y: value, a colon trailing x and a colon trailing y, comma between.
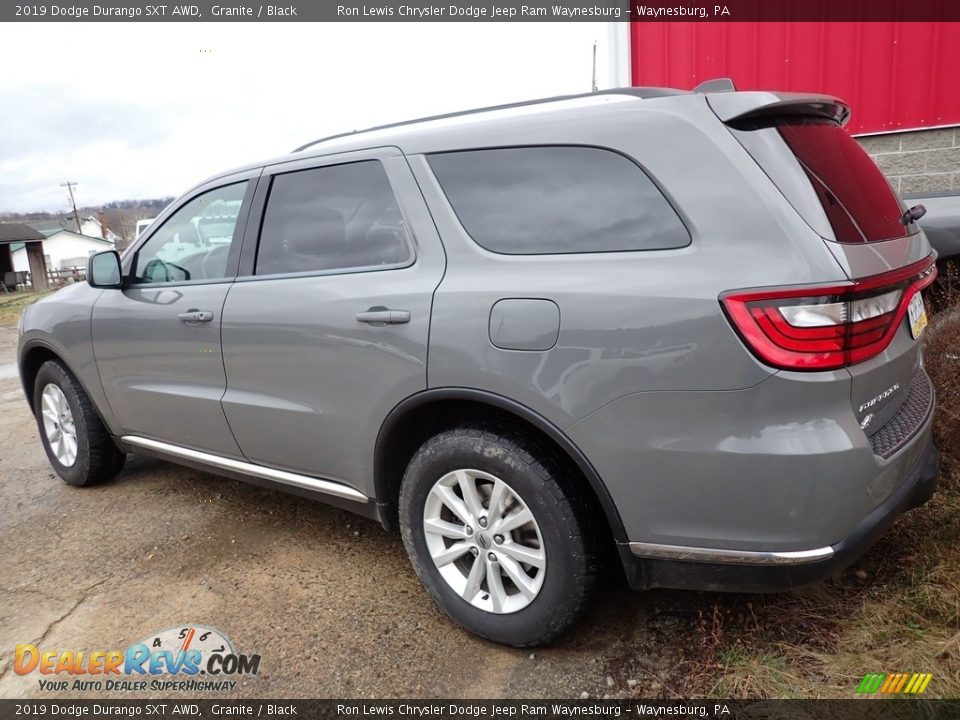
x: 145, y: 110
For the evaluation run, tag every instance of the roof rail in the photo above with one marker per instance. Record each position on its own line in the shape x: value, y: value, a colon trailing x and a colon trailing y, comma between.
x: 640, y: 92
x: 715, y: 85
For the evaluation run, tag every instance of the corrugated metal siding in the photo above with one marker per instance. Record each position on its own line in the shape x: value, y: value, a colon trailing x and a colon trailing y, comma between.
x: 894, y: 75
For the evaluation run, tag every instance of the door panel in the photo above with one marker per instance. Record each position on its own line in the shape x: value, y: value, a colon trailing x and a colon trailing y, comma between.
x: 163, y: 376
x: 310, y: 382
x: 157, y: 341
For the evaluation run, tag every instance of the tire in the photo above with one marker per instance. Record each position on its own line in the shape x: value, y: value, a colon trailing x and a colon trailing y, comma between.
x: 96, y: 458
x: 484, y: 455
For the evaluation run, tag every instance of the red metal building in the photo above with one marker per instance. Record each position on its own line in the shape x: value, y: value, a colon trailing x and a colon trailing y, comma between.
x: 895, y: 75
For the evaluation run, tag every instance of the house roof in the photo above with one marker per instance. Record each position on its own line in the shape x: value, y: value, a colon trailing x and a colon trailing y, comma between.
x: 47, y: 232
x: 64, y: 222
x: 50, y: 233
x: 17, y: 232
x: 53, y: 224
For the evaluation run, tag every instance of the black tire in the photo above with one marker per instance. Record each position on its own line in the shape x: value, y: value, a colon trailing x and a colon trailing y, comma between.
x: 98, y: 458
x: 561, y: 514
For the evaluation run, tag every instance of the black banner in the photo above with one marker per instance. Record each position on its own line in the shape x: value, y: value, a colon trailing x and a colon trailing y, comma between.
x: 861, y: 709
x: 482, y: 11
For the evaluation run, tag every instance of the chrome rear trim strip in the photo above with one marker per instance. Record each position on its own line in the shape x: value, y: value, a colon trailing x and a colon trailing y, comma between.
x: 730, y: 557
x: 327, y: 487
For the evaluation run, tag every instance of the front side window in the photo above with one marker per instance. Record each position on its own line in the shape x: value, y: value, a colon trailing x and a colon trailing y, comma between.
x: 338, y: 217
x: 557, y: 199
x: 194, y: 243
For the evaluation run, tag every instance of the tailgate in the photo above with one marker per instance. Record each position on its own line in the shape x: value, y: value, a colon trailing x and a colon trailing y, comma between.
x: 841, y: 194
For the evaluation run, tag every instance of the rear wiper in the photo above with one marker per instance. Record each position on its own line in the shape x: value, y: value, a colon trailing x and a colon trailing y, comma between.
x: 913, y: 214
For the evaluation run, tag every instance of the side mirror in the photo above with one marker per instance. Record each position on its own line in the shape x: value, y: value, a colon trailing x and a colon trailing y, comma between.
x: 103, y: 270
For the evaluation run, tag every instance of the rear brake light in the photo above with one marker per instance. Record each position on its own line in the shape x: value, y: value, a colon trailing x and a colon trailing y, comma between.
x: 826, y: 327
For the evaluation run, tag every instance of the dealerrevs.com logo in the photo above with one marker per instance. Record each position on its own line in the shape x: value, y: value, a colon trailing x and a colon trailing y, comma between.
x: 191, y: 658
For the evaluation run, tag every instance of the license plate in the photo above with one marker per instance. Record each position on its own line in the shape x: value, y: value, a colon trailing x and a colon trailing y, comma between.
x: 917, y: 316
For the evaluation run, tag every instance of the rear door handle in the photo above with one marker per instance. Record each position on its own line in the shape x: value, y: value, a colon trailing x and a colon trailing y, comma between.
x: 384, y: 316
x: 196, y: 316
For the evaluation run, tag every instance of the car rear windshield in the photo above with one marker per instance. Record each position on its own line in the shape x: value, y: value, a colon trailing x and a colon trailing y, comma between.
x: 826, y: 176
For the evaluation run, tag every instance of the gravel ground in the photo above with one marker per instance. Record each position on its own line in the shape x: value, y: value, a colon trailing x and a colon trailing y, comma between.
x: 327, y: 599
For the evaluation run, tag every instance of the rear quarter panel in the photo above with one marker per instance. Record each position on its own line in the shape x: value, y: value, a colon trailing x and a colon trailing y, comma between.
x: 629, y: 322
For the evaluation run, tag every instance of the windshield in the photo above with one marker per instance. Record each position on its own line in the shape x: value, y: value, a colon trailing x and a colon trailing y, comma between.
x: 827, y: 177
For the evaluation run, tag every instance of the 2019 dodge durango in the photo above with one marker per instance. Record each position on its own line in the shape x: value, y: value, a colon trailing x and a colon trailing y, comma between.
x: 682, y: 323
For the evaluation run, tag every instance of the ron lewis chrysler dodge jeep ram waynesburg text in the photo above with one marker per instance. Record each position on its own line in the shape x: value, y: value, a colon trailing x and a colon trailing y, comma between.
x: 683, y: 323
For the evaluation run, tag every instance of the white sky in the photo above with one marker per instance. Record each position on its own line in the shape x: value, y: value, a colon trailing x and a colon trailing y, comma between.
x: 137, y: 110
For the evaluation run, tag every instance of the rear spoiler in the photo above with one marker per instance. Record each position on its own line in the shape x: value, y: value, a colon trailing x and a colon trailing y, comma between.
x: 731, y: 107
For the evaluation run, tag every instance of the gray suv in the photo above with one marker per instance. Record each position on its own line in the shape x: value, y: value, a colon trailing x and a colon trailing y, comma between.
x: 682, y: 325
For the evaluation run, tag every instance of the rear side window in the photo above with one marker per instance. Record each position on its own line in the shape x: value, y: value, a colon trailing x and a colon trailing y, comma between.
x: 557, y: 199
x: 827, y: 177
x: 338, y: 217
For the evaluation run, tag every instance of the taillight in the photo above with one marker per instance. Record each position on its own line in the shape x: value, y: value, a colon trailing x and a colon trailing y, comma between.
x: 826, y: 327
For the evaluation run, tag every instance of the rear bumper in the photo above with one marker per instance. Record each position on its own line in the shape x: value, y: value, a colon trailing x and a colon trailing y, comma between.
x: 670, y: 566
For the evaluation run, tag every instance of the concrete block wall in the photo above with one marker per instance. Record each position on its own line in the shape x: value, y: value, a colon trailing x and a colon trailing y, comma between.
x: 918, y: 160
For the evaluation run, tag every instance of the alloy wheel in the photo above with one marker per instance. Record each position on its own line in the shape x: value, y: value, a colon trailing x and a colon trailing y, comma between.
x: 484, y: 541
x: 58, y: 425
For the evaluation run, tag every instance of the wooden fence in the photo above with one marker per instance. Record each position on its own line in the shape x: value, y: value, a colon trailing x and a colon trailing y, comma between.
x: 22, y: 280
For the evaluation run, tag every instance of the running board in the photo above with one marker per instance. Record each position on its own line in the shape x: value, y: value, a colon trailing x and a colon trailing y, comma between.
x: 657, y: 551
x: 305, y: 482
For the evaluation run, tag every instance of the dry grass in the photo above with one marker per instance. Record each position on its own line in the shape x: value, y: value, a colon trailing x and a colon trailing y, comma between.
x: 750, y: 674
x: 944, y: 294
x: 942, y: 358
x: 13, y: 304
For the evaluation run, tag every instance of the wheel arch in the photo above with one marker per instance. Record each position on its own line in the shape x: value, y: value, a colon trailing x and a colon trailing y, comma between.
x: 420, y: 416
x: 32, y: 356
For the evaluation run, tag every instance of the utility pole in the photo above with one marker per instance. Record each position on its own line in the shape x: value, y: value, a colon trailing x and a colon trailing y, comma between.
x: 76, y: 216
x: 593, y: 84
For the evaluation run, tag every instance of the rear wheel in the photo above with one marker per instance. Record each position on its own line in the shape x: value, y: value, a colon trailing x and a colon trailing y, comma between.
x: 496, y: 535
x: 77, y: 443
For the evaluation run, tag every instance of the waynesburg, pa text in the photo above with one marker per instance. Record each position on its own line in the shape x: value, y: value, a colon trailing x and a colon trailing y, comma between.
x: 611, y: 11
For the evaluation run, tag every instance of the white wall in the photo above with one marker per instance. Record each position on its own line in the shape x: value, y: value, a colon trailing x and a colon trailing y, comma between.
x: 618, y: 55
x: 91, y: 228
x: 62, y: 250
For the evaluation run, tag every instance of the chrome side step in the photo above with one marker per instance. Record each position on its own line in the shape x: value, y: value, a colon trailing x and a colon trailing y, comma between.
x: 730, y: 557
x: 327, y: 487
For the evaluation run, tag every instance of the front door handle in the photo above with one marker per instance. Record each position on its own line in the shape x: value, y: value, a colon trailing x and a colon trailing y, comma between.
x: 384, y: 316
x: 196, y: 316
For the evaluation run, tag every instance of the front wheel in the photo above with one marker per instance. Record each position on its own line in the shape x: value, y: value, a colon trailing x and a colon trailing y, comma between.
x: 77, y: 443
x: 497, y: 535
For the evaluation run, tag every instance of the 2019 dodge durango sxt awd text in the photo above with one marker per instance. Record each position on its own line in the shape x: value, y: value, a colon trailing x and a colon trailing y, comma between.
x: 683, y: 323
